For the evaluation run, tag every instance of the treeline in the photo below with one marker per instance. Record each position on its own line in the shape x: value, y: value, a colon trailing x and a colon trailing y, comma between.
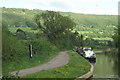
x: 116, y: 38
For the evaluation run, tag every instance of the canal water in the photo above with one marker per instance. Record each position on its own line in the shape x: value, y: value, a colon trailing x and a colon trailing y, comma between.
x: 106, y: 66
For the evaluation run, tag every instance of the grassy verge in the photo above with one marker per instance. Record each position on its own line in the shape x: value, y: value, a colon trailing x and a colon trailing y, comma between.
x: 26, y: 62
x: 76, y: 67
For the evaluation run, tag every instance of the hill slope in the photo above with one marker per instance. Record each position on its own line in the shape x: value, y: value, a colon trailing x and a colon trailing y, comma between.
x: 89, y: 25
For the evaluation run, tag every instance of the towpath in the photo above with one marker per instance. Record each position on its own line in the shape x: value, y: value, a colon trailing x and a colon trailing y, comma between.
x: 58, y: 61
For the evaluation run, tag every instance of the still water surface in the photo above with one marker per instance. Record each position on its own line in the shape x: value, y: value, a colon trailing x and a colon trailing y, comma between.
x: 105, y: 66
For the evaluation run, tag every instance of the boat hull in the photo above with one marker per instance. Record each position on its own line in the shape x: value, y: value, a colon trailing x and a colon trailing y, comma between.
x: 91, y: 60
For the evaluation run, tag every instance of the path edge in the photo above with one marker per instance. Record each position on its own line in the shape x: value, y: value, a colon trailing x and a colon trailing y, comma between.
x: 87, y: 75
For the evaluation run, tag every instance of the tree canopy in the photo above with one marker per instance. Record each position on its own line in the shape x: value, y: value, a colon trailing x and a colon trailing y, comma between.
x: 54, y: 25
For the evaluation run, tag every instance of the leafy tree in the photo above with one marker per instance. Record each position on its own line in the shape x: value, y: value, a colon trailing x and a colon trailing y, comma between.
x: 115, y: 37
x: 54, y: 25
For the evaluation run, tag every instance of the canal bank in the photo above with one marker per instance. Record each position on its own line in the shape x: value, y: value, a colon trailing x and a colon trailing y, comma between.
x: 88, y: 74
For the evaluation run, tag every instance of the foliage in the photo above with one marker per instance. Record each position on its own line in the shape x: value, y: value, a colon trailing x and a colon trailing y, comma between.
x: 11, y: 47
x: 54, y: 25
x: 21, y: 36
x: 41, y: 45
x: 16, y: 52
x: 115, y: 37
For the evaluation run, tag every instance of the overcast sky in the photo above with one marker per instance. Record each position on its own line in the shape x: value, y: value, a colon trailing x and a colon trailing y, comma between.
x: 78, y: 6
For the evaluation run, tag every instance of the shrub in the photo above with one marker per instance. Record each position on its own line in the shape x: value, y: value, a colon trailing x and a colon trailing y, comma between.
x: 41, y: 45
x: 11, y: 47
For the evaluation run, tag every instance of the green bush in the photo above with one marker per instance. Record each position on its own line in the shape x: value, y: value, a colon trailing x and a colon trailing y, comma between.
x: 11, y: 47
x: 41, y: 45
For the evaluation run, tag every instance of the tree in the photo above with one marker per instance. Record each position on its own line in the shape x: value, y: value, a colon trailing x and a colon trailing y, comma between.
x: 115, y: 37
x: 54, y: 25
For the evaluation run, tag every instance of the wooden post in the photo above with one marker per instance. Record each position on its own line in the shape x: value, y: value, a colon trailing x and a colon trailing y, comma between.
x: 30, y: 50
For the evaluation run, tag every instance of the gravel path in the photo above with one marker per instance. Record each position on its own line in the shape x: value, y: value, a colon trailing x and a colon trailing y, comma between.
x: 59, y: 60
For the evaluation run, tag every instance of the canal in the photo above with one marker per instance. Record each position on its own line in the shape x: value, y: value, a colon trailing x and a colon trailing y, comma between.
x: 106, y: 66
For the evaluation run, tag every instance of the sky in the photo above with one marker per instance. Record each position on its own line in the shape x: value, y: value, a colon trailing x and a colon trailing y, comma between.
x: 101, y: 7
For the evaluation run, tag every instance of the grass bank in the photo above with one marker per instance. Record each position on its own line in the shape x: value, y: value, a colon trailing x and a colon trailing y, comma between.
x: 76, y: 67
x: 26, y: 62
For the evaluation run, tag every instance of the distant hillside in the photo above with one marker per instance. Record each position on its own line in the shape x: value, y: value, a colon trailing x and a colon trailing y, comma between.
x: 92, y: 26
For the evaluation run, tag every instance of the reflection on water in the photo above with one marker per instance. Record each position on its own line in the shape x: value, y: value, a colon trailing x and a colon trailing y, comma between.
x: 106, y: 66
